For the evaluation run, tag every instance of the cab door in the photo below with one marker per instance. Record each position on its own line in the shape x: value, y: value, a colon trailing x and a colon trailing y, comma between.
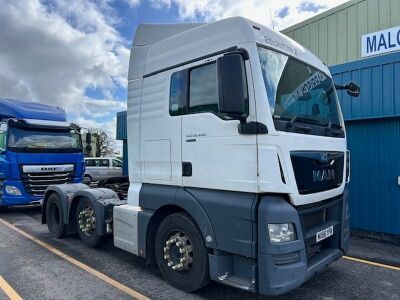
x: 214, y: 154
x: 160, y: 127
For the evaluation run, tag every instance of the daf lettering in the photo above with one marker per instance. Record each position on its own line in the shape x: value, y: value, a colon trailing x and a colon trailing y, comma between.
x: 323, y: 175
x: 48, y: 169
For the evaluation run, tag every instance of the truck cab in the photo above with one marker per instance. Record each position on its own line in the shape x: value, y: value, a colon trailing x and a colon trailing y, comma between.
x: 37, y: 148
x: 237, y: 160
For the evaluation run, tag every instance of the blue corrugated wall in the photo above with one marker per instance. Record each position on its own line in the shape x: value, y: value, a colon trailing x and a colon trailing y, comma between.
x: 373, y: 134
x: 121, y: 126
x: 379, y: 79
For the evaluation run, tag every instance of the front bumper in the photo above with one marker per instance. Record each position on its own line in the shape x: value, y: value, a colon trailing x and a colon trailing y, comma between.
x: 283, y: 267
x: 12, y: 200
x: 25, y: 198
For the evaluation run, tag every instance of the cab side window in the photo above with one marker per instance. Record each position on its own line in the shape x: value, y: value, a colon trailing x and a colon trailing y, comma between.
x: 176, y: 94
x: 203, y: 89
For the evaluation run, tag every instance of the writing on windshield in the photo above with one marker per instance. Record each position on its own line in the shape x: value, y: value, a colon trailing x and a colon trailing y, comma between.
x: 304, y: 88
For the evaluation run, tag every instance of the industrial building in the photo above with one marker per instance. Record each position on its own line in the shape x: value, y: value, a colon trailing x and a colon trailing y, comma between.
x: 360, y: 41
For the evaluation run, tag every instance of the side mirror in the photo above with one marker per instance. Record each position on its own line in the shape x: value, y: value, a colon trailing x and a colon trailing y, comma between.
x: 88, y: 138
x: 352, y: 88
x: 232, y: 86
x: 88, y: 148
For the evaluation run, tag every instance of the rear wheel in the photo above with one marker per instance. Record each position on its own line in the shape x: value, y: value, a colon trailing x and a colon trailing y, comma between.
x: 3, y: 208
x: 54, y: 216
x: 181, y: 253
x: 87, y: 224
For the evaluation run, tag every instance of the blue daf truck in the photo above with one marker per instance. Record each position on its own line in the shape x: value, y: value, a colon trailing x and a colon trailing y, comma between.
x: 38, y: 147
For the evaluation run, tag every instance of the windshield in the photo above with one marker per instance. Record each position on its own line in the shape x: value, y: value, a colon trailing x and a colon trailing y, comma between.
x: 32, y: 140
x: 298, y: 93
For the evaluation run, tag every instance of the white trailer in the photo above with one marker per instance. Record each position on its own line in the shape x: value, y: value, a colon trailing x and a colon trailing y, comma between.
x: 237, y: 161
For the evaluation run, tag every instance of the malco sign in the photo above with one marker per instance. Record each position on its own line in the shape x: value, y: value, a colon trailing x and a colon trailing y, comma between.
x: 379, y: 42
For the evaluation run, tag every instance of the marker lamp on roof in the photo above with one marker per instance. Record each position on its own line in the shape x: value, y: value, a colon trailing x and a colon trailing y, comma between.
x: 281, y: 233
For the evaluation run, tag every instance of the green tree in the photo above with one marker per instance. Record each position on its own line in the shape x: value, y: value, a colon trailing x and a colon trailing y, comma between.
x: 104, y: 145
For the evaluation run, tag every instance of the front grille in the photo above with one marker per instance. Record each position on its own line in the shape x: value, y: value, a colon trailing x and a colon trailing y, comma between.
x: 317, y: 171
x: 317, y: 217
x: 36, y: 184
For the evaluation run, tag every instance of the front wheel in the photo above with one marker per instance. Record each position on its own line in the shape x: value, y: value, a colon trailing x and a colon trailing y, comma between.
x: 181, y: 254
x: 87, y: 223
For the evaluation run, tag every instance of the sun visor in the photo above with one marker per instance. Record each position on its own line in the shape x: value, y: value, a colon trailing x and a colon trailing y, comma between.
x: 42, y: 124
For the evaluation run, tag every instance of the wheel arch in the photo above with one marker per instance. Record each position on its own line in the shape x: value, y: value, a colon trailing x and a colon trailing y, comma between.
x: 172, y: 200
x: 64, y: 192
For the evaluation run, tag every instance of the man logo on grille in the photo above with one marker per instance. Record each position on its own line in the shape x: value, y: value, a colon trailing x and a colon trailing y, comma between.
x: 323, y: 175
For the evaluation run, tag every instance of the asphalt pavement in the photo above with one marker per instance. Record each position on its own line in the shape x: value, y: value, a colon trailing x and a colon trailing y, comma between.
x: 35, y: 272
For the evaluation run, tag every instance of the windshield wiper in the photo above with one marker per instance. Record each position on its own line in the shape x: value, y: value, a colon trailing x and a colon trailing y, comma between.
x: 334, y: 125
x: 335, y: 129
x: 302, y: 119
x: 331, y: 129
x: 296, y: 127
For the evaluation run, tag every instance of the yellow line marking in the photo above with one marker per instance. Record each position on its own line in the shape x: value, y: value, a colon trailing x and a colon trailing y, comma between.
x: 79, y: 264
x: 372, y: 263
x: 8, y: 290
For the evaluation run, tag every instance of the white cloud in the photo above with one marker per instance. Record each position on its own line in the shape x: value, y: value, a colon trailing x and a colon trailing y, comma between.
x: 132, y: 3
x: 53, y: 53
x: 103, y: 107
x: 256, y: 10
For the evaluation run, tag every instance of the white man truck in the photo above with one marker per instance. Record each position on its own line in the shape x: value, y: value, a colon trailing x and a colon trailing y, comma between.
x: 237, y: 161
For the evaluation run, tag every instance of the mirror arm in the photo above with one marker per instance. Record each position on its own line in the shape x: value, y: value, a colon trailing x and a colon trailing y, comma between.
x: 252, y: 128
x: 341, y: 87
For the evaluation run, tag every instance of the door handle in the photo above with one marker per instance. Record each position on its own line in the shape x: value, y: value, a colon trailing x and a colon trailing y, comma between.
x: 186, y: 169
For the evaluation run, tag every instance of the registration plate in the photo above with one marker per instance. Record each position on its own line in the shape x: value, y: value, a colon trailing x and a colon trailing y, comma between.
x: 323, y: 234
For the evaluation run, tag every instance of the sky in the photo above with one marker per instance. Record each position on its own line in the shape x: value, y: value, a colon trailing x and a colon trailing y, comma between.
x: 75, y: 53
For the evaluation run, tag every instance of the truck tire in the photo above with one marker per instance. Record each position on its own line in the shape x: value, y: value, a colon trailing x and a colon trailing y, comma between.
x: 181, y: 254
x: 3, y: 208
x: 55, y: 216
x: 87, y: 224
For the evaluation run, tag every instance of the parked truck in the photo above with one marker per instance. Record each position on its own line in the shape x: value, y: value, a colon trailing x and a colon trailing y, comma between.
x: 37, y: 148
x: 237, y: 161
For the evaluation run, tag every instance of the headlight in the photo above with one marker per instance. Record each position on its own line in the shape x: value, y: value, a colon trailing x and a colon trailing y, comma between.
x: 280, y: 233
x: 13, y: 190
